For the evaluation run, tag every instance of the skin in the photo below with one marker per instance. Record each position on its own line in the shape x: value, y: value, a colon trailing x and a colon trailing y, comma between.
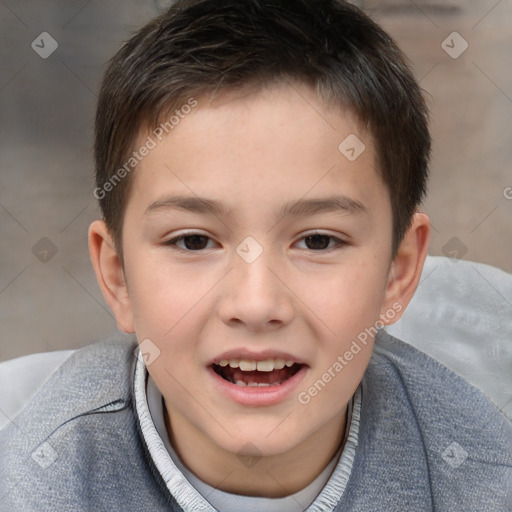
x: 253, y: 153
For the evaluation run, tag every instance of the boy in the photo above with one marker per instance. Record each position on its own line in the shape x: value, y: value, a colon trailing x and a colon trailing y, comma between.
x: 231, y: 139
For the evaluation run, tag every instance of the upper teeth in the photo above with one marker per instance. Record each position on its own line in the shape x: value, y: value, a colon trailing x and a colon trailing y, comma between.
x: 247, y: 365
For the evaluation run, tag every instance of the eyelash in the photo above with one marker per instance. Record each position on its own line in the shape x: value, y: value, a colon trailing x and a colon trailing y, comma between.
x: 339, y: 244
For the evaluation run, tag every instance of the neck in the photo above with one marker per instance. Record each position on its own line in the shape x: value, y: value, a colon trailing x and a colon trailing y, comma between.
x: 249, y: 473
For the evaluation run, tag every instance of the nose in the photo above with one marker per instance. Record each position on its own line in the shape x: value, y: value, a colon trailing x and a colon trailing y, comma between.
x: 255, y: 296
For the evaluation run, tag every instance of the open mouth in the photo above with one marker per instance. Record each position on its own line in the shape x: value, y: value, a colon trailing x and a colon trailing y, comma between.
x: 269, y: 372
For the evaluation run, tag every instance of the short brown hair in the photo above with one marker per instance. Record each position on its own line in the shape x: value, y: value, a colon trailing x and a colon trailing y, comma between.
x: 200, y: 46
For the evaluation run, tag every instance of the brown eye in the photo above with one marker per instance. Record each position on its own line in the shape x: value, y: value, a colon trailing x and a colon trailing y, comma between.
x: 193, y: 242
x: 317, y: 242
x: 321, y: 242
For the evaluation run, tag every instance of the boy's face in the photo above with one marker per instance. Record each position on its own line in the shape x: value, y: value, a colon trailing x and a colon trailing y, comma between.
x: 248, y: 283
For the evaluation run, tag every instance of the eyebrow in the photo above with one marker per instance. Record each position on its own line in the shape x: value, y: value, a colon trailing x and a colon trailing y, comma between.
x: 330, y: 204
x: 300, y: 207
x: 190, y: 204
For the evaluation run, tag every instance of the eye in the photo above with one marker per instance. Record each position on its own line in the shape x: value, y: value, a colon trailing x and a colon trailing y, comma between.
x: 322, y: 242
x: 192, y: 242
x: 196, y: 242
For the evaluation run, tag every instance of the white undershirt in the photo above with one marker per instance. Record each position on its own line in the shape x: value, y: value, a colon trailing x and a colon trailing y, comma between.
x: 227, y: 502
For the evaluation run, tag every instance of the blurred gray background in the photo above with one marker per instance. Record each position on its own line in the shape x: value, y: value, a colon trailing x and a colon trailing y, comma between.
x: 49, y: 298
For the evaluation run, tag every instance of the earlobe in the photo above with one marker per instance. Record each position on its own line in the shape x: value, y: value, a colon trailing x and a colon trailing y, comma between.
x: 405, y: 271
x: 110, y: 274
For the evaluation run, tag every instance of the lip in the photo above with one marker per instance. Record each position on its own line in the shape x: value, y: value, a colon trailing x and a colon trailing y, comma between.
x: 257, y: 396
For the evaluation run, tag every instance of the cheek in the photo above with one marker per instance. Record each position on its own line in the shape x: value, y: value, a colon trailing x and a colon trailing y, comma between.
x: 343, y: 359
x: 163, y: 298
x: 347, y: 299
x: 334, y: 380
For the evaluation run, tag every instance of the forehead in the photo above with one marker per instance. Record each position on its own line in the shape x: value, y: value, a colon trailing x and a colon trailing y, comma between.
x: 274, y: 141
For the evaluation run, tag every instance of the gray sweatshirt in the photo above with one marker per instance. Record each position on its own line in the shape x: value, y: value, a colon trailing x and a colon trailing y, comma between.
x: 426, y: 441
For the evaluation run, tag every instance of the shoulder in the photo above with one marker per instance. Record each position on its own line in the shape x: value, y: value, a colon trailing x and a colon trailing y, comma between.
x: 20, y: 379
x: 77, y: 435
x: 52, y: 388
x: 427, y: 380
x: 47, y: 374
x: 432, y: 422
x: 72, y: 382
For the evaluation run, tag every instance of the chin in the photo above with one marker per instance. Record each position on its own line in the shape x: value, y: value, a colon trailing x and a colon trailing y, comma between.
x: 262, y: 440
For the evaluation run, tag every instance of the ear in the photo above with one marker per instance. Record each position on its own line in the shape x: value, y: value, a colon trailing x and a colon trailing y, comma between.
x: 405, y: 271
x: 110, y: 274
